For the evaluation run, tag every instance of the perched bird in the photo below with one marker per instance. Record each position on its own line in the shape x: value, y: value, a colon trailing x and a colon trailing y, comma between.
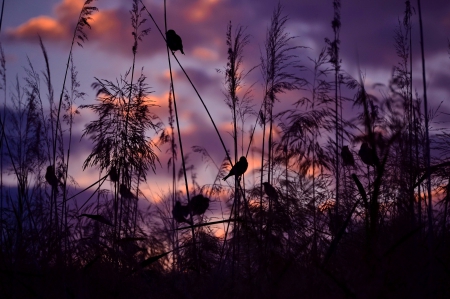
x: 174, y: 41
x: 238, y: 169
x: 198, y: 204
x: 368, y: 155
x: 113, y: 174
x: 180, y: 213
x: 347, y: 156
x: 270, y: 191
x: 126, y: 192
x: 50, y: 177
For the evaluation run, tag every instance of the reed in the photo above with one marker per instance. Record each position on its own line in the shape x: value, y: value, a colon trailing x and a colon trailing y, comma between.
x: 304, y: 224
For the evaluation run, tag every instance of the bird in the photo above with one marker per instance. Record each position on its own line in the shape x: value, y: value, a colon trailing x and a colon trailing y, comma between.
x: 50, y: 177
x: 174, y: 41
x: 270, y: 191
x: 347, y: 156
x: 113, y: 174
x: 198, y: 204
x: 368, y: 155
x: 239, y: 168
x: 180, y: 213
x: 125, y: 192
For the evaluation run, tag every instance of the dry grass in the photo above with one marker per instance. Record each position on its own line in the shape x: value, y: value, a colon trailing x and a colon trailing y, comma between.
x: 322, y: 228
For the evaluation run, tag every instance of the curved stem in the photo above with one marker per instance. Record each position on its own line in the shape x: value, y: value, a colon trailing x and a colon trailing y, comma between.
x: 193, y: 86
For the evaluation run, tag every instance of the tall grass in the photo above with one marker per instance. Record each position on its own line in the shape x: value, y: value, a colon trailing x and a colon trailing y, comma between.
x: 325, y: 230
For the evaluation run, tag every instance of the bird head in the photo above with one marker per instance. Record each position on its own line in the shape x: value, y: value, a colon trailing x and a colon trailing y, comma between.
x: 345, y: 148
x: 242, y: 159
x: 170, y: 32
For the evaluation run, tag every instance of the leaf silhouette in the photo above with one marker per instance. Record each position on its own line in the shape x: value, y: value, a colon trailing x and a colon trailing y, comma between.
x: 98, y: 218
x: 153, y: 259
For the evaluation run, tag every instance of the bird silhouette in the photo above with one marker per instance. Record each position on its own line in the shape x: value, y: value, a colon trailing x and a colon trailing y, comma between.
x: 180, y: 213
x: 126, y: 192
x: 238, y: 169
x: 368, y: 155
x: 174, y: 41
x: 50, y: 177
x: 270, y: 191
x: 347, y: 156
x: 198, y: 204
x: 113, y: 174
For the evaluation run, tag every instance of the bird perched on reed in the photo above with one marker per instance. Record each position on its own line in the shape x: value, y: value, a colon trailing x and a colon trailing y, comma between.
x: 239, y: 168
x: 174, y: 41
x: 347, y: 156
x: 113, y: 174
x: 180, y: 213
x: 198, y: 204
x: 51, y: 178
x: 126, y: 192
x: 368, y: 155
x: 270, y: 191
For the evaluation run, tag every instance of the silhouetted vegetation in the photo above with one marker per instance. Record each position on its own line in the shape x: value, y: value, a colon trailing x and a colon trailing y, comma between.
x: 340, y: 206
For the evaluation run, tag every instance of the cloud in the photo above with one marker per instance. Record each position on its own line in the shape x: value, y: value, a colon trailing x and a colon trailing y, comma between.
x: 44, y: 26
x: 50, y: 28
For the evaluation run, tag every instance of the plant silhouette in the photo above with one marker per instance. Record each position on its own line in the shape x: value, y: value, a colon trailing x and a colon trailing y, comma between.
x: 306, y: 221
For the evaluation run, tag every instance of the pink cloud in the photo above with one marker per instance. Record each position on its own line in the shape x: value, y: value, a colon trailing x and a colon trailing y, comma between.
x: 50, y: 28
x: 44, y: 26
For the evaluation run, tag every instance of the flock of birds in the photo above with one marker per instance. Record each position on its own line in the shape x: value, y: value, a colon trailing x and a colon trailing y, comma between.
x: 199, y: 204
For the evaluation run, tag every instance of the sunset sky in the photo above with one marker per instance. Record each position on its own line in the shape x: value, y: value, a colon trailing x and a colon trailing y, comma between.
x: 366, y: 36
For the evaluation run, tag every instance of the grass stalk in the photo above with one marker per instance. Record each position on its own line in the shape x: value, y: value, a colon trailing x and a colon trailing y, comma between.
x: 430, y: 278
x: 183, y: 162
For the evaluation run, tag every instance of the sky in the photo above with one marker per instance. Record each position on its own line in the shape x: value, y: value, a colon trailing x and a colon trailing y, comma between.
x: 366, y: 36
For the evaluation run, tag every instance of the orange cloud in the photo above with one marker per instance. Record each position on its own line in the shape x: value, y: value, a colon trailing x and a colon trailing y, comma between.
x: 106, y: 22
x: 205, y: 54
x: 42, y: 25
x: 59, y: 27
x: 69, y: 8
x: 159, y: 100
x: 201, y: 10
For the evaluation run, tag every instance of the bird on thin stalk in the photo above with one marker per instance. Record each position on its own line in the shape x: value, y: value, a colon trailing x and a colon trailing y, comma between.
x: 238, y: 169
x: 174, y: 41
x: 126, y: 192
x: 198, y: 204
x: 270, y: 191
x: 51, y: 178
x: 368, y: 155
x: 113, y: 174
x: 180, y: 213
x: 347, y: 156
